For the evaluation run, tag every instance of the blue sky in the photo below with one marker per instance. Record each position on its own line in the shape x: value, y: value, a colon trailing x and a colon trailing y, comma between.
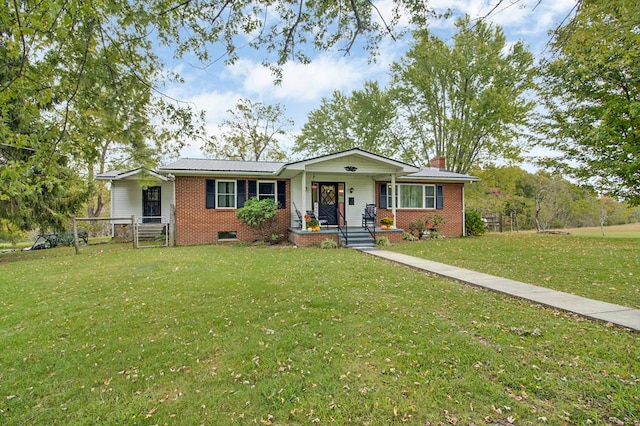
x: 216, y: 88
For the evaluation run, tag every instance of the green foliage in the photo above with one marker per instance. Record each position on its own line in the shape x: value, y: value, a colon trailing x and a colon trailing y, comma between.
x: 382, y: 241
x: 591, y: 88
x: 473, y: 223
x: 362, y: 120
x: 417, y: 228
x: 328, y: 243
x: 77, y: 88
x: 517, y: 196
x: 464, y: 101
x: 408, y: 237
x: 251, y: 134
x: 260, y: 215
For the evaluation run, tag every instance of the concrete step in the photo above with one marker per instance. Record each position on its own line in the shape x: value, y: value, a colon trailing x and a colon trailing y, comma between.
x: 358, y: 238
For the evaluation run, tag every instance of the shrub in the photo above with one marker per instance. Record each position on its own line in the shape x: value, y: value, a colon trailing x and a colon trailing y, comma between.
x: 261, y: 215
x: 408, y: 237
x: 382, y: 241
x: 417, y: 228
x: 329, y: 243
x: 473, y: 222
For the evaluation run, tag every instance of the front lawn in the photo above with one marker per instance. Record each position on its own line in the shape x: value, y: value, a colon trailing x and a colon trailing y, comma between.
x: 600, y: 268
x: 244, y: 335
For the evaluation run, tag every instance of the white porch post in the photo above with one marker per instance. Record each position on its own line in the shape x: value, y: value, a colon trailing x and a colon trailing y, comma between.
x: 303, y: 204
x: 393, y: 198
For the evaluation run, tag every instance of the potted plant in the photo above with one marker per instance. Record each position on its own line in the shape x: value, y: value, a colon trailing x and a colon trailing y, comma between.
x: 386, y: 222
x: 313, y: 225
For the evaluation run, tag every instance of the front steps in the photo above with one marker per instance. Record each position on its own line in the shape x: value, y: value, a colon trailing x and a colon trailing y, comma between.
x: 358, y: 237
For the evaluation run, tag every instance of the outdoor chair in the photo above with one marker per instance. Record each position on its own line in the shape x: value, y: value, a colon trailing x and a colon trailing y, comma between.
x: 321, y: 220
x: 369, y: 216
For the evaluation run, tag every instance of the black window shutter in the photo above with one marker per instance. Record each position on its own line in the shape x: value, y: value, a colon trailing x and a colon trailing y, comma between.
x: 439, y: 197
x: 210, y: 198
x: 383, y: 196
x: 253, y: 189
x: 282, y: 194
x: 241, y: 195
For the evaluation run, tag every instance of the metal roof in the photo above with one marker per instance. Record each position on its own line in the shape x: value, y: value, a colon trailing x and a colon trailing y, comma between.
x: 437, y: 174
x: 207, y: 165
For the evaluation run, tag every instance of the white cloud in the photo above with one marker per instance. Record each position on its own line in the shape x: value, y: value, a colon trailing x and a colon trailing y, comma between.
x: 301, y: 82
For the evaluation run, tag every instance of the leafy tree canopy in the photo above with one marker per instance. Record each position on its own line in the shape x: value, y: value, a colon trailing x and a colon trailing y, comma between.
x: 362, y: 120
x: 465, y: 101
x: 592, y: 93
x: 251, y: 134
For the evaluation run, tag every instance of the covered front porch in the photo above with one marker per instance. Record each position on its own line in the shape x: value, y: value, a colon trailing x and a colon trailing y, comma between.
x: 336, y: 188
x: 355, y: 236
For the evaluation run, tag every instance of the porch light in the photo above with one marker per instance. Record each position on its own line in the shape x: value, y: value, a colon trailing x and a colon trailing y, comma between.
x: 350, y: 168
x: 351, y: 190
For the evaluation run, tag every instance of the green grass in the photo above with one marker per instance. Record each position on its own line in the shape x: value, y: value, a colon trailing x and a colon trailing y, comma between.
x: 600, y: 268
x: 244, y: 335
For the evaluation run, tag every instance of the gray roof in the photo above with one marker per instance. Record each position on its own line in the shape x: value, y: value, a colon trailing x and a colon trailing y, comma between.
x: 207, y: 165
x: 432, y: 173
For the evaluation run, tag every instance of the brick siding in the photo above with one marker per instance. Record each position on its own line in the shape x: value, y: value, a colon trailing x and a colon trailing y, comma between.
x: 195, y: 224
x: 452, y: 211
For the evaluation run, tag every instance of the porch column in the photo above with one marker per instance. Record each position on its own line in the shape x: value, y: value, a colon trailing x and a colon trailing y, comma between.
x: 393, y: 198
x: 303, y: 204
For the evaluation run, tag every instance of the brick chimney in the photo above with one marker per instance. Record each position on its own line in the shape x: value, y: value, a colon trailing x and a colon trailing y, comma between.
x: 438, y: 163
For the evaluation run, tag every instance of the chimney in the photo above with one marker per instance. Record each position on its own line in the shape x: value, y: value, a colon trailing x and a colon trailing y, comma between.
x: 438, y: 163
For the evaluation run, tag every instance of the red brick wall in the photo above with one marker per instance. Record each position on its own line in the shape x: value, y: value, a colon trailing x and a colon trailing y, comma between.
x: 452, y: 211
x: 195, y: 224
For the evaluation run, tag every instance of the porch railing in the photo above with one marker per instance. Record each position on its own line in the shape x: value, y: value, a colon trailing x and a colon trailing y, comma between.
x: 344, y: 231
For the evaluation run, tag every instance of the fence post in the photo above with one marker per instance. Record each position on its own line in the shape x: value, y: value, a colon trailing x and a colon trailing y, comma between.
x: 75, y: 235
x: 134, y: 234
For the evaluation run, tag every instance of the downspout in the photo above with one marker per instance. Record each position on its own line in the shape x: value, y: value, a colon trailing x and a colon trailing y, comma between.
x: 464, y: 215
x: 393, y: 198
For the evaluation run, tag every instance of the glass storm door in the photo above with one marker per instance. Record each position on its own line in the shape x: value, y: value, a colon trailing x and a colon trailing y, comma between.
x: 151, y: 201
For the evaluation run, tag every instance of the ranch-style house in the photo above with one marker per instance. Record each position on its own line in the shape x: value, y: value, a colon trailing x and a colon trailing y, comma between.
x: 197, y: 199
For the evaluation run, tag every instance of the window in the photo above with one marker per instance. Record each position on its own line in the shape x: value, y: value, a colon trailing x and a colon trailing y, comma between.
x: 228, y: 235
x: 414, y: 196
x: 226, y: 194
x: 267, y: 190
x: 429, y: 197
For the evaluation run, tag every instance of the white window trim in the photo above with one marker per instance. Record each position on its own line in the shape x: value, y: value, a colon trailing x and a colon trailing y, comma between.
x: 235, y: 194
x: 423, y: 198
x: 275, y: 189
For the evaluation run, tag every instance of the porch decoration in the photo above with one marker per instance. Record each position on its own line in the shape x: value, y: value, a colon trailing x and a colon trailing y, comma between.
x: 312, y: 225
x: 386, y: 222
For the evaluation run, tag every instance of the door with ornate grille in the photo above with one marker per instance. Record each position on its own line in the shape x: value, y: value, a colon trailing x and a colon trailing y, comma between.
x: 328, y: 206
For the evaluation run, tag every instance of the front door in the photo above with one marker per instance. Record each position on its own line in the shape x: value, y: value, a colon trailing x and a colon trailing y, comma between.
x: 328, y: 205
x: 151, y: 201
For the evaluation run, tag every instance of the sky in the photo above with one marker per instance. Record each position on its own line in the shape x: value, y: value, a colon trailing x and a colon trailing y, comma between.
x: 215, y: 89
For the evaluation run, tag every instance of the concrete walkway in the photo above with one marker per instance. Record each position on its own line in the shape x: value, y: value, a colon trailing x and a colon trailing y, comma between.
x: 594, y: 309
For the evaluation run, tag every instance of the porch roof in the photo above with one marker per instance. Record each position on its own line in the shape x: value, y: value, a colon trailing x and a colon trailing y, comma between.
x: 133, y: 173
x: 440, y: 176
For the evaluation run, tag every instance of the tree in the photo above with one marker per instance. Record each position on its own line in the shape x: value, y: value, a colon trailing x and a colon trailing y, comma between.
x: 592, y: 94
x: 72, y: 76
x: 466, y: 102
x: 251, y: 134
x: 362, y: 120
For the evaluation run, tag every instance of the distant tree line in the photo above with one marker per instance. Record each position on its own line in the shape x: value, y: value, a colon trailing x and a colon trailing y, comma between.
x: 521, y: 200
